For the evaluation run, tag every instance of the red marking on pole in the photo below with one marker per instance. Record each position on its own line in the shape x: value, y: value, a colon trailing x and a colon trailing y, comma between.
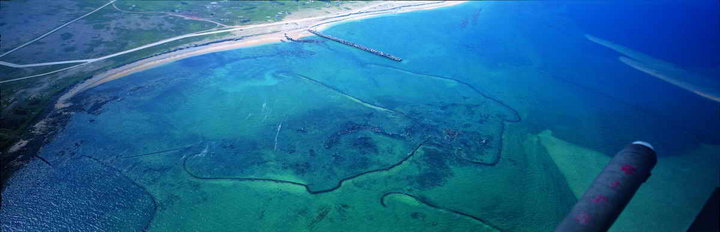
x: 615, y: 185
x: 600, y: 198
x: 582, y: 218
x: 628, y: 169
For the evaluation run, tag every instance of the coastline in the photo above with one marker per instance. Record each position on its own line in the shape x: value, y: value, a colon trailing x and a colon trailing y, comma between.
x: 59, y: 113
x: 256, y: 39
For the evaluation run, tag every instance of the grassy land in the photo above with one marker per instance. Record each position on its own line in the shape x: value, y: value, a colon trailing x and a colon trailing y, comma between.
x: 231, y: 13
x: 107, y: 31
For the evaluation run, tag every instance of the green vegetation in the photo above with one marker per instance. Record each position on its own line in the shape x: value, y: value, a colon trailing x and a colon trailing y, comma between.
x: 21, y: 109
x: 226, y: 12
x: 110, y: 30
x: 66, y: 36
x: 98, y: 26
x: 25, y: 111
x: 10, y: 73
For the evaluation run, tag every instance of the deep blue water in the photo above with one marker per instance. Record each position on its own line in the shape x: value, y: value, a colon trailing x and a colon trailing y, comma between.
x: 478, y: 85
x: 682, y: 33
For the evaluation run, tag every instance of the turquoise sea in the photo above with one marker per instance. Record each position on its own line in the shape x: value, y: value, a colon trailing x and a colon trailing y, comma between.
x: 497, y: 119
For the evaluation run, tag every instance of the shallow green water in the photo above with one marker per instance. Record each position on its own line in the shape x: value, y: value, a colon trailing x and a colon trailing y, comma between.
x: 323, y: 137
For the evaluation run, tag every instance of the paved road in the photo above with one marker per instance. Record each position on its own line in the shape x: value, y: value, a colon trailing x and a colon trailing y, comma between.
x: 319, y: 20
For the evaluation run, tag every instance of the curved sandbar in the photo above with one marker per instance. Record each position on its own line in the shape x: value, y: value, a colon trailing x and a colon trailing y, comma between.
x: 437, y: 207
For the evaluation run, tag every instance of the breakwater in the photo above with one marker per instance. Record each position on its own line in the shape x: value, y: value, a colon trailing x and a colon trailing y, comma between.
x: 358, y: 46
x: 302, y: 40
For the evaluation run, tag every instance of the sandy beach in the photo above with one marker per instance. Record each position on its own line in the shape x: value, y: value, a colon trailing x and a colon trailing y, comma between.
x: 354, y: 116
x: 255, y: 35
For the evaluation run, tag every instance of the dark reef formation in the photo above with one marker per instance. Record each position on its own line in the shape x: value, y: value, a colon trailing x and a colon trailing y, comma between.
x: 306, y: 186
x: 356, y: 134
x: 429, y: 203
x: 445, y: 142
